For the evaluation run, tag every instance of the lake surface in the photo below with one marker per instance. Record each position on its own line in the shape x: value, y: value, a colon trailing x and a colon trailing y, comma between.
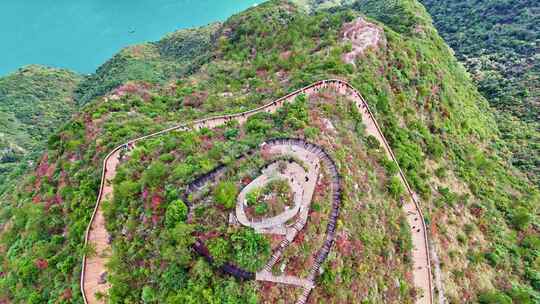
x: 83, y: 34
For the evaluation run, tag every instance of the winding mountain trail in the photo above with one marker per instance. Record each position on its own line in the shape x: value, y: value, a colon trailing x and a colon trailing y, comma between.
x: 93, y: 268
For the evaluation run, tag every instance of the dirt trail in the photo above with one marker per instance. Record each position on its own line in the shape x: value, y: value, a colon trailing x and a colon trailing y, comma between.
x: 94, y: 267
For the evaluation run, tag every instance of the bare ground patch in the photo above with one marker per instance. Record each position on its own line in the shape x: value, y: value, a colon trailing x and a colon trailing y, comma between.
x: 362, y: 35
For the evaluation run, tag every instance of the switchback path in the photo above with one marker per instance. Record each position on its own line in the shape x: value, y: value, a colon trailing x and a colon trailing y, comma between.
x: 93, y: 267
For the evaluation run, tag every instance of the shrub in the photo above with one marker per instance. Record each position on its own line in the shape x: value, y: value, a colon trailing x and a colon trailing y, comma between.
x: 225, y: 194
x: 390, y: 166
x: 521, y: 218
x: 328, y: 278
x: 494, y: 297
x: 462, y: 239
x: 176, y: 212
x: 252, y: 197
x: 53, y: 142
x: 395, y: 188
x: 220, y: 249
x: 447, y: 196
x: 435, y: 148
x: 496, y: 255
x: 231, y: 133
x: 154, y: 174
x: 258, y: 124
x: 521, y: 295
x: 183, y: 170
x: 441, y: 172
x: 261, y: 209
x: 534, y: 277
x: 148, y: 294
x: 251, y: 249
x: 372, y: 142
x: 311, y: 132
x: 531, y: 241
x: 166, y: 158
x: 297, y: 114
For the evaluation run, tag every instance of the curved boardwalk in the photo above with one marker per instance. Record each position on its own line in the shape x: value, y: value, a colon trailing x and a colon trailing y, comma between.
x: 301, y: 178
x: 312, y: 156
x: 96, y: 235
x: 310, y: 152
x: 292, y: 175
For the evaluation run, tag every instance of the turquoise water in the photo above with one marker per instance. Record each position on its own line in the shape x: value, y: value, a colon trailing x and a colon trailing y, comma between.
x: 83, y: 34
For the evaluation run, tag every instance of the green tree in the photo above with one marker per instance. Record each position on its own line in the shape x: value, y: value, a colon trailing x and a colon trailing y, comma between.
x: 126, y: 190
x: 251, y: 249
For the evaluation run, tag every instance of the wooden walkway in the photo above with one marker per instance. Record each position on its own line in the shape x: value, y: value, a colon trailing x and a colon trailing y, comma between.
x: 302, y: 191
x: 284, y: 279
x: 313, y: 155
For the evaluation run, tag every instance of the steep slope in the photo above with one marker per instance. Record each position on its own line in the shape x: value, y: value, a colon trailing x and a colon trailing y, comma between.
x: 481, y: 213
x: 34, y: 100
x: 498, y: 41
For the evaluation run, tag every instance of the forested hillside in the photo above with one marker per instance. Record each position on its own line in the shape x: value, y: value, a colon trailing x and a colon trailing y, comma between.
x: 498, y: 41
x: 37, y: 100
x: 482, y: 213
x: 175, y: 55
x: 34, y: 101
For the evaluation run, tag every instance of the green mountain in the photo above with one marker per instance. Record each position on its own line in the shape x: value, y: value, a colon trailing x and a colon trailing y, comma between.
x: 481, y: 212
x: 498, y: 42
x: 34, y: 101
